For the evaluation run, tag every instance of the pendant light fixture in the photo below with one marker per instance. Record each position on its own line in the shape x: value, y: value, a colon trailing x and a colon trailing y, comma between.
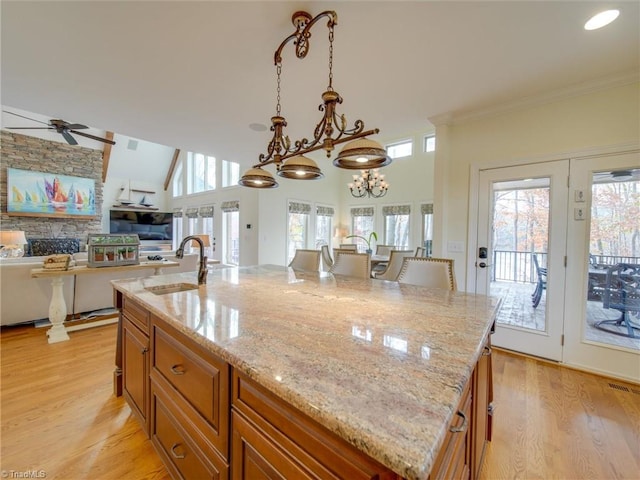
x: 289, y: 158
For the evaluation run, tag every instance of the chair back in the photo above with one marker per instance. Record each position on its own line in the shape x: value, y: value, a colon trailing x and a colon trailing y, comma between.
x: 352, y: 264
x: 348, y: 246
x: 327, y: 261
x: 306, y: 260
x: 622, y: 289
x: 420, y: 251
x: 396, y: 259
x: 428, y: 272
x: 384, y: 249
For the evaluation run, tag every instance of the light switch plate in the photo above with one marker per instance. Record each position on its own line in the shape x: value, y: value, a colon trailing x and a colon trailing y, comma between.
x: 578, y: 196
x: 455, y: 247
x: 578, y: 213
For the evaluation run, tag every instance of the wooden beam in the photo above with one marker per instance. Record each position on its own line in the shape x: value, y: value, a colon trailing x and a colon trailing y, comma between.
x: 172, y: 167
x: 106, y: 155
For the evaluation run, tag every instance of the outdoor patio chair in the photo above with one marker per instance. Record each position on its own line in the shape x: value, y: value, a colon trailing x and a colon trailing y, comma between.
x: 622, y: 293
x: 541, y: 284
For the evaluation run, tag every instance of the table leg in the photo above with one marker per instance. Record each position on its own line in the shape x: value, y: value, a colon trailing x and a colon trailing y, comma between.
x: 57, y: 312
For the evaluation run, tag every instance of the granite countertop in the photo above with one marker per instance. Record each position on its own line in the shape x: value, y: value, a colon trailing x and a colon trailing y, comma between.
x: 380, y: 364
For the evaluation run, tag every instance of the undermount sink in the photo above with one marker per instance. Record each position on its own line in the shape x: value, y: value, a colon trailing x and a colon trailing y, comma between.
x: 171, y: 288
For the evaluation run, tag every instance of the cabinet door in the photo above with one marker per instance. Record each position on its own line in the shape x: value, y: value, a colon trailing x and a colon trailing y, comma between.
x: 481, y: 392
x: 136, y: 371
x: 256, y: 457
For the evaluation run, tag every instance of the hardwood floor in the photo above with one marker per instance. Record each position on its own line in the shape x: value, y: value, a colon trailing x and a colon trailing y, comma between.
x: 59, y: 416
x: 552, y: 422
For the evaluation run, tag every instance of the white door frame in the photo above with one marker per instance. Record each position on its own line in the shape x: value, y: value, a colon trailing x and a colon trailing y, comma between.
x: 472, y: 244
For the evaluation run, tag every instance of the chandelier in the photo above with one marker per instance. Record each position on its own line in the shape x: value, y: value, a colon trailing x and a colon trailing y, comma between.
x: 370, y: 183
x: 288, y: 157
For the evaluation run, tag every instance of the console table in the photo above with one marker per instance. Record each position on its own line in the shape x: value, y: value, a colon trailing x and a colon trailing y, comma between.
x: 58, y: 307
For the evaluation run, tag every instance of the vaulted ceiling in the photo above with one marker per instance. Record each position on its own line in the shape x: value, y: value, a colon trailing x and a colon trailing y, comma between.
x: 196, y: 75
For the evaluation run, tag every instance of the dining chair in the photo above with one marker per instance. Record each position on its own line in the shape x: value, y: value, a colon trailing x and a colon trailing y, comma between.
x: 420, y: 251
x: 384, y: 249
x: 428, y: 272
x: 352, y: 264
x: 307, y: 260
x: 348, y: 246
x: 327, y: 261
x: 391, y: 272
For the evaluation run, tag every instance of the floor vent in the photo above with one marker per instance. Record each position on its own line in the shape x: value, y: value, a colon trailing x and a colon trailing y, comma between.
x: 619, y: 387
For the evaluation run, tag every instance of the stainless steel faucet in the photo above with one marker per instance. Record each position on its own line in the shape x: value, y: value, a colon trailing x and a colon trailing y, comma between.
x: 202, y: 269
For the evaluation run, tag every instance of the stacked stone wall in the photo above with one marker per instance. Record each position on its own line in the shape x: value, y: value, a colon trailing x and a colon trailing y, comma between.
x: 38, y: 155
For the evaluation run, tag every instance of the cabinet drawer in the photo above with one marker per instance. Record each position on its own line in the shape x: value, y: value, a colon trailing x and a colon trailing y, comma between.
x: 180, y: 451
x: 196, y: 380
x: 136, y: 313
x: 306, y: 444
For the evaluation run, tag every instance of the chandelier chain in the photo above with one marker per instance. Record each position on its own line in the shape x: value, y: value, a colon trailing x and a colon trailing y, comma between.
x: 330, y: 87
x: 279, y: 72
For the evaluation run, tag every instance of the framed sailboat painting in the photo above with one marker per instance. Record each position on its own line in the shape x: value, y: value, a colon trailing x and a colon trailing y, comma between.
x: 39, y: 194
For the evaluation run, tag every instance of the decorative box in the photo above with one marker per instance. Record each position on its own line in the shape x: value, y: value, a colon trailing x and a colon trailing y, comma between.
x: 110, y: 250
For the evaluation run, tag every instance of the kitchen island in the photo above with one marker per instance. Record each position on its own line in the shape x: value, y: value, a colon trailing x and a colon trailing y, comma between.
x: 309, y: 374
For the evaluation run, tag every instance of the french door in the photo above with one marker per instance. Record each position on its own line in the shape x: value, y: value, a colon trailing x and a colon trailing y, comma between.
x: 599, y: 337
x: 521, y: 240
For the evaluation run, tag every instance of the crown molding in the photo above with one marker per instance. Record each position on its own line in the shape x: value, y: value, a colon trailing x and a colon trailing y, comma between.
x: 574, y: 90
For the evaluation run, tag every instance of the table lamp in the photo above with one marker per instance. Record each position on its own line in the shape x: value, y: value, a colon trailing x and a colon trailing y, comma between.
x: 13, y: 242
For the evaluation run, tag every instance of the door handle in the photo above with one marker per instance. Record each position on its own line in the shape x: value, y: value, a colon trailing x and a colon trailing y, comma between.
x: 482, y: 265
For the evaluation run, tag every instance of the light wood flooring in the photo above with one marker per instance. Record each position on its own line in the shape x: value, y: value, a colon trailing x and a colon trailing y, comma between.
x: 59, y: 416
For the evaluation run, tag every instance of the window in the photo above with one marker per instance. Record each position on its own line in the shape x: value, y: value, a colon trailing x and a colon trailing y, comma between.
x: 430, y: 143
x: 178, y: 181
x: 192, y: 227
x: 396, y: 226
x: 361, y: 224
x: 230, y: 173
x: 201, y: 173
x: 206, y: 227
x: 324, y: 218
x: 231, y: 232
x: 400, y: 149
x: 427, y: 228
x: 177, y: 228
x: 297, y: 227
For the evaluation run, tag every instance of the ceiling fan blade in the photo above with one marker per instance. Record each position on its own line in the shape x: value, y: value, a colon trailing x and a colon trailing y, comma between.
x: 29, y: 128
x: 75, y: 126
x: 110, y: 142
x: 67, y: 136
x: 22, y: 116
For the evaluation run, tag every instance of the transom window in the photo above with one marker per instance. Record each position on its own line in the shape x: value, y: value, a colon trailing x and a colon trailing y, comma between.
x: 201, y: 173
x: 400, y: 149
x: 430, y: 143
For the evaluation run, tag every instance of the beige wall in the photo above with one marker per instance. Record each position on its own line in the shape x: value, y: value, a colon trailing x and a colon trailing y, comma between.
x: 568, y: 127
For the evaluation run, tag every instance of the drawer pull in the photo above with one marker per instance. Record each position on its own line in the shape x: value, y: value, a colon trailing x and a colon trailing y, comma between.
x: 491, y: 408
x: 487, y: 351
x: 177, y: 370
x: 179, y: 456
x: 462, y: 427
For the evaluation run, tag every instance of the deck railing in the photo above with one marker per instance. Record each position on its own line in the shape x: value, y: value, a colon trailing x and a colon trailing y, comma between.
x: 518, y: 266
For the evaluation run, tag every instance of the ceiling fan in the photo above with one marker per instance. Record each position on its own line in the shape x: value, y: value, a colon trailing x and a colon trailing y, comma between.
x: 62, y: 127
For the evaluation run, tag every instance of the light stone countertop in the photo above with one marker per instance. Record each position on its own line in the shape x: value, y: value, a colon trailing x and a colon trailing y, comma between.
x: 380, y: 364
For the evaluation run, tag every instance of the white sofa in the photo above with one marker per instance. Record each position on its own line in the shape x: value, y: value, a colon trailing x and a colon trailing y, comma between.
x: 25, y: 299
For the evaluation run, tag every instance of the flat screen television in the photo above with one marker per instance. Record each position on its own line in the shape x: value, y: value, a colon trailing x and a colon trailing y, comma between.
x: 151, y: 227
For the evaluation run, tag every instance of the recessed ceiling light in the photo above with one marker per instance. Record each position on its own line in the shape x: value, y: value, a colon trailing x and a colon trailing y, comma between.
x: 257, y: 127
x: 601, y: 19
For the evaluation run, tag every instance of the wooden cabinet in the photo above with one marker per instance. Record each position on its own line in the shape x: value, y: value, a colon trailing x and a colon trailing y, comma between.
x: 482, y: 398
x: 135, y: 360
x: 271, y: 439
x: 189, y: 405
x: 208, y: 420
